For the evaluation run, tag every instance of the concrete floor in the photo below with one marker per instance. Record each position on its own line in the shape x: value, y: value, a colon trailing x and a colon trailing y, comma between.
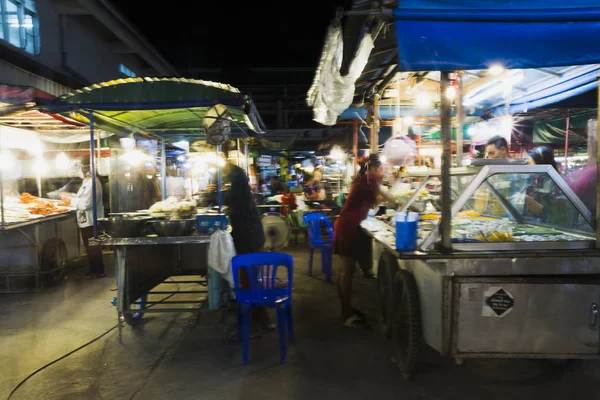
x: 180, y: 356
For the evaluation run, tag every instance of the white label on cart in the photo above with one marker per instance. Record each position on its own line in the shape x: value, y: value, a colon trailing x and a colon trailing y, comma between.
x: 497, y: 302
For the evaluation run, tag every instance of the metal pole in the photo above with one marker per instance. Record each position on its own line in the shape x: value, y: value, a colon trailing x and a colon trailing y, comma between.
x: 163, y: 170
x: 567, y: 142
x: 376, y: 123
x: 237, y: 153
x: 598, y: 178
x: 93, y: 171
x: 99, y: 149
x: 219, y: 180
x: 38, y: 181
x: 247, y: 157
x: 446, y: 136
x: 460, y: 121
x: 2, y: 196
x: 355, y: 143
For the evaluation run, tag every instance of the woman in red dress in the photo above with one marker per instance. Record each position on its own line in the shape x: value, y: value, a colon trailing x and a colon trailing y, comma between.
x: 347, y: 244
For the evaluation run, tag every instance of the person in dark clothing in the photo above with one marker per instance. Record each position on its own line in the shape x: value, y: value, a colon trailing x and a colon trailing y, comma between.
x: 246, y: 226
x: 247, y: 231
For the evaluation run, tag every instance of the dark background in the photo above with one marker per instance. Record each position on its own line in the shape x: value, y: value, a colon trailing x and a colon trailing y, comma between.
x: 268, y: 49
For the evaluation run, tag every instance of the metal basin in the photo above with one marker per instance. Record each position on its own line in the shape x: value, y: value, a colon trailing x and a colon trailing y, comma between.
x: 122, y: 227
x: 182, y: 227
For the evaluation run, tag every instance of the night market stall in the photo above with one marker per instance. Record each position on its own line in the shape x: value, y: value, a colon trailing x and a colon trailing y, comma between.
x: 508, y: 266
x: 170, y: 237
x: 38, y: 231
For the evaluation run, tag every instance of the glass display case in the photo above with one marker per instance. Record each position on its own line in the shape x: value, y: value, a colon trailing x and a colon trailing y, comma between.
x: 510, y: 207
x: 425, y: 188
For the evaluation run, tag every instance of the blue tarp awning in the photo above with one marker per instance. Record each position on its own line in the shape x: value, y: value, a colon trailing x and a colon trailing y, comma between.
x: 439, y: 35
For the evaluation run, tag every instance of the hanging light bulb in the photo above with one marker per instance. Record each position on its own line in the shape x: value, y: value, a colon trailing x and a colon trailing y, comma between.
x: 40, y: 166
x: 423, y: 99
x: 496, y: 69
x: 336, y: 153
x: 62, y: 161
x: 451, y: 92
x: 134, y: 157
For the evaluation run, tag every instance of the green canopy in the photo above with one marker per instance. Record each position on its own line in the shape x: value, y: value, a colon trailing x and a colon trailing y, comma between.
x: 167, y: 107
x: 554, y: 131
x: 433, y: 132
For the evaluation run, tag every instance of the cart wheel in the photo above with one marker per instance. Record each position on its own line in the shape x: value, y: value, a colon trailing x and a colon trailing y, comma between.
x: 132, y: 317
x: 128, y: 317
x: 386, y: 272
x: 53, y: 258
x: 406, y: 328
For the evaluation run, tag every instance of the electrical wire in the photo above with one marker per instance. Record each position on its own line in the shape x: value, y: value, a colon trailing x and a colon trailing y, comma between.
x: 43, y: 367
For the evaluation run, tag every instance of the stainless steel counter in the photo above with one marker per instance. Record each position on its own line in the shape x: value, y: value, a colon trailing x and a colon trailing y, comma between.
x: 149, y: 241
x: 38, y: 220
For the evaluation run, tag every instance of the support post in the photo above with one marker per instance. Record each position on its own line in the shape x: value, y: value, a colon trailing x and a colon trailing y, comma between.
x: 163, y: 169
x: 376, y: 124
x: 446, y: 136
x: 247, y: 157
x: 219, y: 180
x: 99, y: 151
x: 598, y: 178
x: 460, y: 121
x: 2, y: 197
x: 567, y: 142
x: 355, y: 143
x: 93, y: 171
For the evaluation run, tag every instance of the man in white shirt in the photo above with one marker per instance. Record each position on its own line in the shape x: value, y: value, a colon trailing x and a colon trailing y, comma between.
x: 83, y: 203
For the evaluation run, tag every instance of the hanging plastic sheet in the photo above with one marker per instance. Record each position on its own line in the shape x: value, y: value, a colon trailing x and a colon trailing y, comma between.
x: 331, y: 92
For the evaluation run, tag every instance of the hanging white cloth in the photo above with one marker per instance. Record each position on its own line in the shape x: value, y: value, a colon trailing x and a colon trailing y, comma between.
x: 220, y: 252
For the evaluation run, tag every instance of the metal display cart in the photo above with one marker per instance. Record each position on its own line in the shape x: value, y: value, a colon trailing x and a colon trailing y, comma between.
x: 34, y: 252
x: 532, y: 292
x: 144, y: 263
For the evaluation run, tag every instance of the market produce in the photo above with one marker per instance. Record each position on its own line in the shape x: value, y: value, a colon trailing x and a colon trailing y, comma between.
x: 45, y: 208
x: 27, y: 198
x: 174, y: 208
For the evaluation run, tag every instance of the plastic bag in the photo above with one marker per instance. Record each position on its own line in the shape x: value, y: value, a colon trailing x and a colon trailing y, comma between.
x: 220, y: 252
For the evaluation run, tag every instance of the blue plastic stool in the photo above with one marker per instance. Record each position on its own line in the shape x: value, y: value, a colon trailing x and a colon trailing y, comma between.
x: 263, y: 292
x: 315, y: 236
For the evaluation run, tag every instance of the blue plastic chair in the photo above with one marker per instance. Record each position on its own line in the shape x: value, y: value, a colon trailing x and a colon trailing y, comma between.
x: 317, y: 240
x: 262, y: 271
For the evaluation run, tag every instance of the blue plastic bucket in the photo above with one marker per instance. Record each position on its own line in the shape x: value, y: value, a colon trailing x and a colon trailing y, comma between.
x: 406, y: 231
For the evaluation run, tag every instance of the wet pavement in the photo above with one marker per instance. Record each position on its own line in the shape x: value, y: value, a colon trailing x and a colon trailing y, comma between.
x: 186, y: 356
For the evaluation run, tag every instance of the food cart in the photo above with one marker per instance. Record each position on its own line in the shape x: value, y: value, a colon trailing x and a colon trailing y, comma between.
x: 38, y: 235
x: 164, y: 110
x: 36, y: 242
x: 510, y: 268
x: 517, y: 284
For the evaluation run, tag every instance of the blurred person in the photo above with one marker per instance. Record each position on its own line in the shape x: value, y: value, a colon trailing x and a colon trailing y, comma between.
x: 246, y: 226
x: 191, y: 185
x: 350, y: 241
x: 542, y: 155
x: 278, y: 186
x: 583, y: 183
x: 497, y: 147
x: 318, y: 175
x: 318, y: 194
x: 175, y: 184
x: 82, y: 201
